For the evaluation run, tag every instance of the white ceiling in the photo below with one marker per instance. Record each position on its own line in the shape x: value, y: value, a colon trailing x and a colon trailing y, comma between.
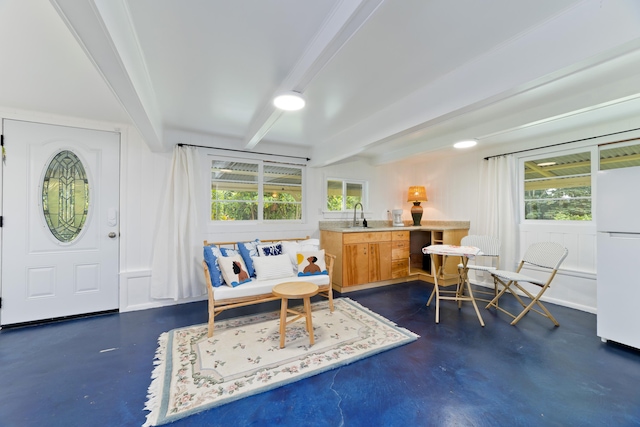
x: 385, y: 79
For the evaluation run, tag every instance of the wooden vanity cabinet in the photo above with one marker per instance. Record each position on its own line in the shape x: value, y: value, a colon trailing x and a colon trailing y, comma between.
x: 361, y: 257
x: 366, y: 257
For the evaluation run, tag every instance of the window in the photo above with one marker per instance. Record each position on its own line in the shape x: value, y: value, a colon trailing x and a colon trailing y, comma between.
x: 342, y: 195
x: 65, y: 196
x: 617, y: 156
x: 255, y: 191
x: 558, y: 188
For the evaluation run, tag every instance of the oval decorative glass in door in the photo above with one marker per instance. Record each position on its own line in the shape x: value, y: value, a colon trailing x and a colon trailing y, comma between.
x: 65, y: 196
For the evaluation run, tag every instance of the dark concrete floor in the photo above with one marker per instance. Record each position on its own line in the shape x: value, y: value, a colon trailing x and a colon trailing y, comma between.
x: 95, y: 372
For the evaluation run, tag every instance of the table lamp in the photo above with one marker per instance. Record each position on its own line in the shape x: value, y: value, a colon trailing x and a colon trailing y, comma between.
x: 416, y: 195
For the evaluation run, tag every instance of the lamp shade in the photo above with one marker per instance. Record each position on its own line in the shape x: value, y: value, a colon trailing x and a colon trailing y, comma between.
x: 417, y: 194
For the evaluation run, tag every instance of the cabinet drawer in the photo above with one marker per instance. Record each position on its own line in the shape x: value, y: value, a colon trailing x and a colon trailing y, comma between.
x: 402, y: 253
x: 400, y: 235
x: 399, y: 244
x: 399, y: 268
x: 399, y: 250
x: 380, y: 236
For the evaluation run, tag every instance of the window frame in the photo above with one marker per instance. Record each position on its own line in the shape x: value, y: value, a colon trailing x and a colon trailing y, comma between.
x: 345, y: 182
x: 260, y: 199
x: 594, y: 165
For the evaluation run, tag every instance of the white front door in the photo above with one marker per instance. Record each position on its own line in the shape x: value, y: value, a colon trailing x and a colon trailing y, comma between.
x: 60, y: 222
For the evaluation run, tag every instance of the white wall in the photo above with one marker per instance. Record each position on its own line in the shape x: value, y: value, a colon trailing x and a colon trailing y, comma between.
x: 143, y: 179
x: 452, y: 189
x: 450, y: 179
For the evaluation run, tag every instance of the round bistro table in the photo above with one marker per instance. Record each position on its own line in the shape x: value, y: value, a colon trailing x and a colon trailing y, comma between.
x: 295, y: 290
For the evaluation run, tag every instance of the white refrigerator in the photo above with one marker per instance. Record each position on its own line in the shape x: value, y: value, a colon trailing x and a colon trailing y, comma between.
x: 618, y: 255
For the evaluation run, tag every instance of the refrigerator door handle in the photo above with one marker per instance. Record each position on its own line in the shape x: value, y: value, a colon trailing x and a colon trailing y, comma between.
x: 624, y: 235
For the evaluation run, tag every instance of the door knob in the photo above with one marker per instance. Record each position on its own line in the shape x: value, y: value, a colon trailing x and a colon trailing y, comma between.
x: 112, y: 235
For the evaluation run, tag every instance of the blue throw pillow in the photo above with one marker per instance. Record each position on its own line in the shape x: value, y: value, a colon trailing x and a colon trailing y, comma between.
x: 247, y: 250
x: 270, y: 250
x: 228, y: 252
x: 211, y: 255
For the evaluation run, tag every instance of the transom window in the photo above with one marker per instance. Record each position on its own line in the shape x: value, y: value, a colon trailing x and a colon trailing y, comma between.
x: 615, y: 156
x: 255, y: 191
x: 558, y: 188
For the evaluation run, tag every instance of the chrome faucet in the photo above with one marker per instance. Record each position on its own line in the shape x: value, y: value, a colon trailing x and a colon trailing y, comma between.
x: 355, y: 208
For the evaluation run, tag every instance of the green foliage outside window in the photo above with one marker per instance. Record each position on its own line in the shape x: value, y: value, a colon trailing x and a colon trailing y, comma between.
x: 239, y: 189
x: 230, y: 205
x: 339, y: 191
x: 558, y: 188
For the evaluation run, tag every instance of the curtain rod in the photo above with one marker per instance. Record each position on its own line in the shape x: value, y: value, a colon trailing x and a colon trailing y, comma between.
x: 563, y: 143
x: 244, y: 151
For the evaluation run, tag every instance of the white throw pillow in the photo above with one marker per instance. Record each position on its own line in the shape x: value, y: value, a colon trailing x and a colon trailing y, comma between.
x: 272, y: 267
x: 311, y: 263
x: 233, y: 270
x: 291, y: 248
x: 309, y: 245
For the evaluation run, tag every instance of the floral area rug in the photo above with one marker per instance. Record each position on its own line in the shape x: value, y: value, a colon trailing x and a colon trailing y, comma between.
x: 194, y: 373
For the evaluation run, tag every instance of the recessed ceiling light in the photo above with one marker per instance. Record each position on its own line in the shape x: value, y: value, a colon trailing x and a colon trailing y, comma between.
x: 465, y: 144
x: 547, y: 164
x: 289, y: 101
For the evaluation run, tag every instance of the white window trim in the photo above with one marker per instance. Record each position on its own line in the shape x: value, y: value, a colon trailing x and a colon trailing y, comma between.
x: 365, y: 195
x: 260, y: 221
x: 595, y: 162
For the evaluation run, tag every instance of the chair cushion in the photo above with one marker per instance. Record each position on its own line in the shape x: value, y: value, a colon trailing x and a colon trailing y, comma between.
x: 262, y: 287
x: 517, y: 277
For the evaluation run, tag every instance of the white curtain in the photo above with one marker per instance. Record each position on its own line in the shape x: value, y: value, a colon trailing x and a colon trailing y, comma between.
x: 497, y: 213
x: 177, y: 251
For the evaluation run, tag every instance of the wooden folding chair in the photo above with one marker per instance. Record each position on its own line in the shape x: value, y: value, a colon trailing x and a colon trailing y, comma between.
x: 546, y: 255
x: 486, y: 261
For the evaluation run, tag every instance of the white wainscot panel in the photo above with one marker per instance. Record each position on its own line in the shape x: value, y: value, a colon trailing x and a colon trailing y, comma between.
x: 569, y: 288
x: 579, y: 239
x: 575, y: 284
x: 135, y: 293
x: 41, y: 282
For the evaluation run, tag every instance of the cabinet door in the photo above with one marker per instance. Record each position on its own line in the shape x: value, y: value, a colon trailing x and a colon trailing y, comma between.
x: 399, y: 268
x: 355, y: 266
x: 379, y: 261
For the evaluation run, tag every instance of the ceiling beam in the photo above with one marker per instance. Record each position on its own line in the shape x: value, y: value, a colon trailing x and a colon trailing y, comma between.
x: 104, y: 30
x: 345, y: 20
x: 536, y: 59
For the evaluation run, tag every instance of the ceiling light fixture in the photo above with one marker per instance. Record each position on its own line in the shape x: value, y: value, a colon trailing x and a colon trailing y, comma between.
x: 289, y: 101
x: 465, y: 144
x: 546, y: 164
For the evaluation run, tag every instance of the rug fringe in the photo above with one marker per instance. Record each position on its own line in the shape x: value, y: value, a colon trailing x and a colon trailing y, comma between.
x: 154, y: 392
x: 298, y: 366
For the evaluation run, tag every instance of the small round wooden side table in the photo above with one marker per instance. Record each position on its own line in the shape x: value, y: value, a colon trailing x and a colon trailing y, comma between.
x: 295, y: 290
